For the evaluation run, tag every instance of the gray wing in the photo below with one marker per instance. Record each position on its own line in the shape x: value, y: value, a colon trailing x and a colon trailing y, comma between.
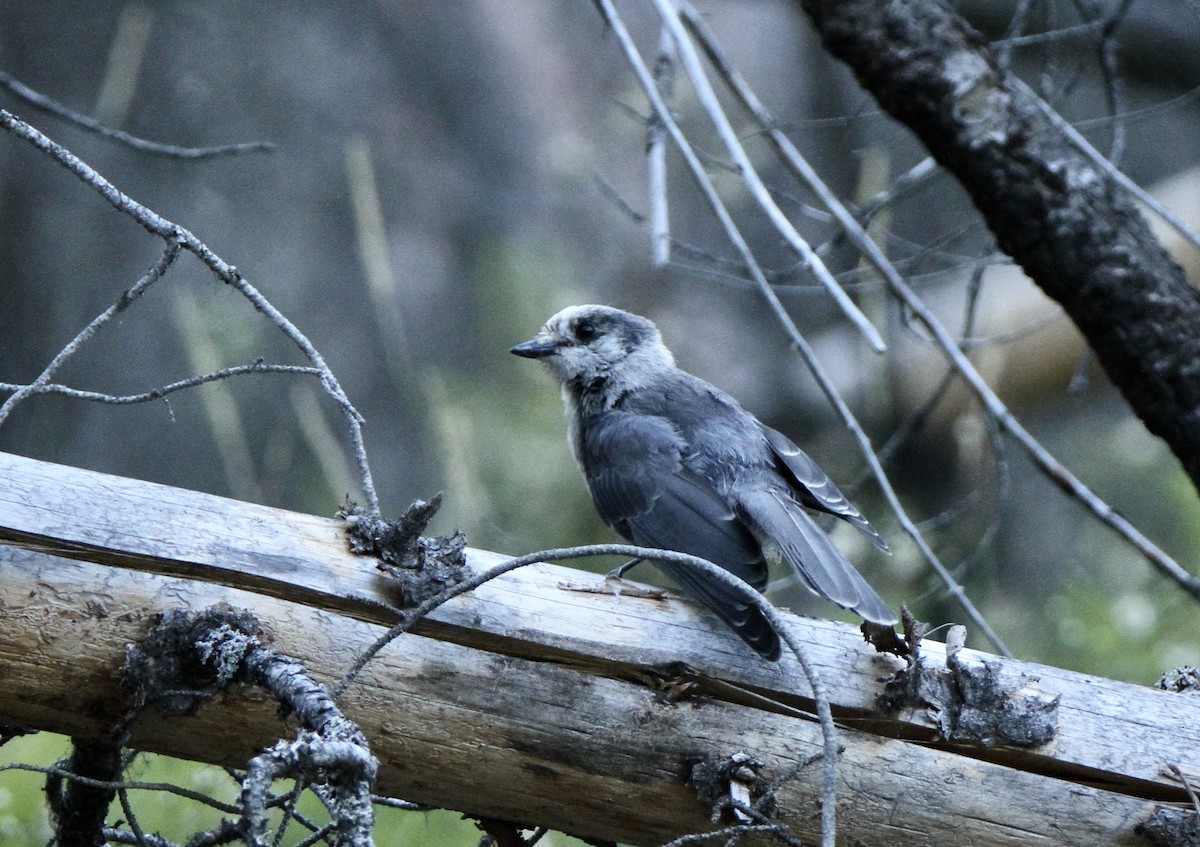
x: 636, y: 474
x: 814, y: 488
x: 818, y: 561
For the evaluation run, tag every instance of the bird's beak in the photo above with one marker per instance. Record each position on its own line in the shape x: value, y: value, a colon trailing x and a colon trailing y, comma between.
x: 538, y: 347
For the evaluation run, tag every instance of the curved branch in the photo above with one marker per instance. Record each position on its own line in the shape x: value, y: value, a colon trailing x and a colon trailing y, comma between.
x: 829, y: 735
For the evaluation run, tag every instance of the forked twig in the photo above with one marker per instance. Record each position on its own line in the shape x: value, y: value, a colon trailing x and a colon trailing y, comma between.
x: 174, y: 234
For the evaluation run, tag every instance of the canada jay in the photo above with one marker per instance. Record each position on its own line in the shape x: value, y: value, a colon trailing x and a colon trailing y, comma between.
x: 675, y: 463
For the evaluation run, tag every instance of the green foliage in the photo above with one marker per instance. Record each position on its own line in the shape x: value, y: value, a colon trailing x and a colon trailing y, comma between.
x: 24, y: 819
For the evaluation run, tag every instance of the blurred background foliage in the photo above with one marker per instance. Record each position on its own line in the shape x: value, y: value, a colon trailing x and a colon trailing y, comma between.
x: 444, y: 180
x: 176, y: 816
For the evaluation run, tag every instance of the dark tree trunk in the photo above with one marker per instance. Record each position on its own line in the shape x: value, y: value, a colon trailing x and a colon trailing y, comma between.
x: 1067, y: 223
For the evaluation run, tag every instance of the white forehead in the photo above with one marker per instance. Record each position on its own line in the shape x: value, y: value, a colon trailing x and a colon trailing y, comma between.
x: 562, y: 320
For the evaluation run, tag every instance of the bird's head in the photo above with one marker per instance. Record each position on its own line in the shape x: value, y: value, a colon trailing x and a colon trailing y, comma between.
x: 586, y: 344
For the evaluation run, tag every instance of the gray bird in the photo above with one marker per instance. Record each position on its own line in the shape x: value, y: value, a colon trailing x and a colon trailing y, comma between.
x: 675, y: 463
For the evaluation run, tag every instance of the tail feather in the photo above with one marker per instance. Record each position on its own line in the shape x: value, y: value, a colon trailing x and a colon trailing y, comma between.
x: 741, y: 616
x: 780, y: 520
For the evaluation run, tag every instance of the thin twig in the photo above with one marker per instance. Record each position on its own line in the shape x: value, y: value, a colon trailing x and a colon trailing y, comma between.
x: 288, y: 807
x: 130, y: 817
x: 1107, y: 50
x: 732, y: 832
x: 151, y: 276
x: 689, y: 58
x: 1031, y: 327
x: 1055, y: 35
x: 610, y: 191
x: 320, y: 835
x: 393, y: 803
x: 918, y: 174
x: 1187, y: 786
x: 1174, y: 104
x: 656, y: 153
x: 174, y: 233
x: 1097, y: 158
x: 1020, y: 18
x: 138, y: 839
x: 161, y: 391
x: 53, y: 107
x: 165, y: 787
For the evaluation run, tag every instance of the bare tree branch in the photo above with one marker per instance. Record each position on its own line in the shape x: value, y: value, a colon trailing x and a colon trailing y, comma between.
x: 184, y: 239
x: 159, y: 392
x: 690, y: 61
x: 656, y: 152
x: 40, y: 384
x: 1060, y: 216
x: 174, y: 151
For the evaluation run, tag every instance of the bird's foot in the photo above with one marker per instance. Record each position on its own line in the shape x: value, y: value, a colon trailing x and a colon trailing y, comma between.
x: 619, y: 573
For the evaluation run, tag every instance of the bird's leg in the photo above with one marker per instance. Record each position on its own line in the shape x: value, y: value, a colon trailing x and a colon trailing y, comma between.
x: 619, y: 573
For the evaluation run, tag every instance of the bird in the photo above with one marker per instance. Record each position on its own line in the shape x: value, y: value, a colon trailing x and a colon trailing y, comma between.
x: 674, y: 463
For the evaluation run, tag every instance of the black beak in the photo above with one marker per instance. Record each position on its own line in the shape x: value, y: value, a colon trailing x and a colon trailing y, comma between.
x: 534, y: 349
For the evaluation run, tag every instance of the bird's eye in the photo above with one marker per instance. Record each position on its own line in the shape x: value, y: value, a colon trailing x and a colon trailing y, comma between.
x: 585, y: 331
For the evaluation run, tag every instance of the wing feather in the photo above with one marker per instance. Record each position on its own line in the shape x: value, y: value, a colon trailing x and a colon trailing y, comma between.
x: 634, y: 465
x: 818, y: 561
x: 814, y: 488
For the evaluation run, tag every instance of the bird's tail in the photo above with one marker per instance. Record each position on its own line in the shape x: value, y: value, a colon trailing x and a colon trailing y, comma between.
x: 780, y: 520
x: 742, y: 616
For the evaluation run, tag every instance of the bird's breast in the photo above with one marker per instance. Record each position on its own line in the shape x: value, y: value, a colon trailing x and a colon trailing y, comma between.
x: 574, y: 436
